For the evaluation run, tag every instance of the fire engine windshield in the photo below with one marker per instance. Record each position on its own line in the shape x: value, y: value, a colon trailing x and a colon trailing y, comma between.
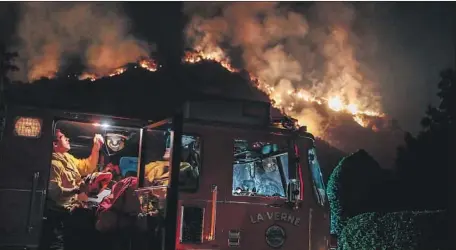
x: 259, y: 168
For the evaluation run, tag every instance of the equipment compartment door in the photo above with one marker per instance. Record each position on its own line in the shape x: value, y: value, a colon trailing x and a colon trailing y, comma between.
x: 24, y: 166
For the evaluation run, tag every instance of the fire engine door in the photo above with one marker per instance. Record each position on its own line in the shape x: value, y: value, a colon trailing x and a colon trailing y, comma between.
x: 25, y: 154
x: 153, y: 138
x: 155, y: 144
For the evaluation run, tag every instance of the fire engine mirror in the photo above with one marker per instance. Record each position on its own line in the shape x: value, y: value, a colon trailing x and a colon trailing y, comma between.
x: 27, y: 127
x: 311, y: 157
x: 293, y: 191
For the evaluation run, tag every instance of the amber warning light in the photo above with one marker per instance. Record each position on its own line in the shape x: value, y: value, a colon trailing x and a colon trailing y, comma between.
x: 27, y: 127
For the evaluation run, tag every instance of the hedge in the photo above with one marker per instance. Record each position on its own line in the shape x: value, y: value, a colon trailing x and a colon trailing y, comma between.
x: 332, y: 191
x: 350, y: 189
x: 406, y: 230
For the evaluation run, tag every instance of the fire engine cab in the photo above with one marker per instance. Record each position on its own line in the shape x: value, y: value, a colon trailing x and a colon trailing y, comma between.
x: 246, y: 181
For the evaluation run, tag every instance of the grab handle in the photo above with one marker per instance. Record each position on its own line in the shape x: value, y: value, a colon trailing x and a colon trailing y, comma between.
x: 36, y: 177
x: 213, y: 212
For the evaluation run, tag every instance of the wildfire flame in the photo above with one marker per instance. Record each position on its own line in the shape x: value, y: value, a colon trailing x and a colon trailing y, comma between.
x: 299, y: 96
x: 335, y: 103
x: 219, y: 57
x: 147, y: 64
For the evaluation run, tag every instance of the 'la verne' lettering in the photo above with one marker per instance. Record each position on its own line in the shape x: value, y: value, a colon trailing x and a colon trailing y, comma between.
x: 275, y: 216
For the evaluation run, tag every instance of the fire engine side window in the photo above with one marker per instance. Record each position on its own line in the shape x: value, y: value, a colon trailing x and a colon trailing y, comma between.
x: 317, y: 177
x: 259, y: 168
x: 157, y: 164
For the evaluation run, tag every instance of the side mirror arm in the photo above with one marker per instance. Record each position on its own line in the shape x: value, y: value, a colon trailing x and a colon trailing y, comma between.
x: 293, y: 193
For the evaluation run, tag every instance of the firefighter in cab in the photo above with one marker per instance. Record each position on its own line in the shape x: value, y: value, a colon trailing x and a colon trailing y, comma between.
x: 157, y: 172
x: 66, y: 191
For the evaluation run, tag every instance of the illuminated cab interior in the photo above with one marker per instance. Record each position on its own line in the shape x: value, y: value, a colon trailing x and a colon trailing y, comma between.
x: 127, y: 148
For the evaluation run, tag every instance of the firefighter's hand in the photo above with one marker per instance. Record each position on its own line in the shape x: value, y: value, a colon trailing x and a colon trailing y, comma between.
x: 70, y: 191
x: 97, y: 142
x: 83, y: 188
x: 83, y: 197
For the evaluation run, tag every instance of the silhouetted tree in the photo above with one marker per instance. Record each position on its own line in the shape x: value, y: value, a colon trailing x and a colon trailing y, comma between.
x: 6, y: 64
x: 423, y: 162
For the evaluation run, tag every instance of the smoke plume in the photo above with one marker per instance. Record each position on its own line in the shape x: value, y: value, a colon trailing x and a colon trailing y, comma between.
x: 98, y: 33
x: 314, y: 52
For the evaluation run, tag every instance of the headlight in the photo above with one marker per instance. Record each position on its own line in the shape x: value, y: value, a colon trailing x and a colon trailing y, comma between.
x: 28, y: 127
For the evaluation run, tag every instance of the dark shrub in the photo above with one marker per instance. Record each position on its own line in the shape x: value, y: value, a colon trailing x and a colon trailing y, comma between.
x: 352, y: 187
x: 420, y: 230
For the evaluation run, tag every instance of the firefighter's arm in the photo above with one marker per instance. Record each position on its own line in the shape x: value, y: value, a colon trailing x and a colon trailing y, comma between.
x: 56, y: 190
x: 89, y: 165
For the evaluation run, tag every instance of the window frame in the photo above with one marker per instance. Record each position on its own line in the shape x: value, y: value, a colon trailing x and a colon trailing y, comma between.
x: 200, y: 170
x: 184, y: 133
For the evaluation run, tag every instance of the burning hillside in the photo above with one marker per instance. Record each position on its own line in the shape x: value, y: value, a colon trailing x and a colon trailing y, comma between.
x: 300, y: 61
x: 148, y: 64
x: 297, y: 59
x: 98, y: 34
x: 287, y: 99
x: 280, y: 100
x: 325, y: 107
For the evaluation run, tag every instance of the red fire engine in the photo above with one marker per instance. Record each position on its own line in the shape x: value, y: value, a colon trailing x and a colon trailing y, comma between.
x: 250, y: 182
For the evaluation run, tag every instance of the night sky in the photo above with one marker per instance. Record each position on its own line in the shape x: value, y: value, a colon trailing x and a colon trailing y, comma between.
x: 412, y: 42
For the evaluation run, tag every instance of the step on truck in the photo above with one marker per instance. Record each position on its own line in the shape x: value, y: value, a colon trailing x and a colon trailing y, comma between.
x: 245, y: 181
